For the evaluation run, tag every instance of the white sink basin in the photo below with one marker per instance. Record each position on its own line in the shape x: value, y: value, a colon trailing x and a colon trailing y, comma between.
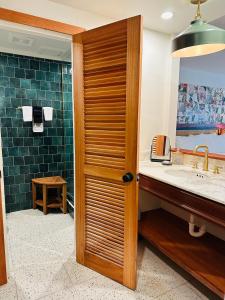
x: 197, y: 177
x: 187, y: 174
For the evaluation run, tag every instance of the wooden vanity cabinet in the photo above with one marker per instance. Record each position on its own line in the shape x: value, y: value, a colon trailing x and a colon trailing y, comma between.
x: 204, y: 257
x: 207, y: 209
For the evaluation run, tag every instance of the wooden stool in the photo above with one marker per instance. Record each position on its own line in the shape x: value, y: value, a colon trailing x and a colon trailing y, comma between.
x: 48, y: 183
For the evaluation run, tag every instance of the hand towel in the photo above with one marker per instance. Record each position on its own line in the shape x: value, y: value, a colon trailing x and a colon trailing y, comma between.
x: 27, y: 113
x: 48, y: 113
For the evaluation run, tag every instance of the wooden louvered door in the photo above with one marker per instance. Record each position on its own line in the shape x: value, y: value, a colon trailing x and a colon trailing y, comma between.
x: 107, y: 64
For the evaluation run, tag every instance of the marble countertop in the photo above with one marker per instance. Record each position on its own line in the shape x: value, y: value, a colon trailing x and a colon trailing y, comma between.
x: 205, y: 184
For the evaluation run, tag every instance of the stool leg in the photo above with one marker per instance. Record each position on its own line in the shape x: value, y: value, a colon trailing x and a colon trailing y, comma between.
x: 64, y: 199
x: 34, y: 194
x: 45, y: 199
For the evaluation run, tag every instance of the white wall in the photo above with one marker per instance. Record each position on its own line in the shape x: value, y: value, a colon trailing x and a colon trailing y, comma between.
x: 159, y: 90
x: 198, y: 77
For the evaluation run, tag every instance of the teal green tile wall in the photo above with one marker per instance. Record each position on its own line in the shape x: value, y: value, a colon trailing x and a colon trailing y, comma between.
x: 26, y: 155
x: 68, y: 128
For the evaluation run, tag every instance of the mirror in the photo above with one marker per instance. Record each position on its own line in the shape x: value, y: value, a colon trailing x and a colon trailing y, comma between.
x: 160, y: 149
x: 201, y: 103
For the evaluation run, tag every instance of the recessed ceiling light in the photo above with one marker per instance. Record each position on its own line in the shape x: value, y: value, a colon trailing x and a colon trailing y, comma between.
x: 167, y: 15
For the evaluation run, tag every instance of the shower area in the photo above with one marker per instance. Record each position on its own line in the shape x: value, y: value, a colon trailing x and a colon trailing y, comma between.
x: 35, y: 81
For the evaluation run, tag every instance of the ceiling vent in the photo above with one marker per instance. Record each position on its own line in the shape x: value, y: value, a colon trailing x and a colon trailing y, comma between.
x: 20, y: 40
x: 56, y: 52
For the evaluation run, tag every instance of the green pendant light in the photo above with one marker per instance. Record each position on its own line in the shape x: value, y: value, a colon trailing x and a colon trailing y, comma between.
x: 199, y: 38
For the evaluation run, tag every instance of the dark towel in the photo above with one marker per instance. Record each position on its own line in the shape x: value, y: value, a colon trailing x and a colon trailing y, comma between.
x: 37, y: 114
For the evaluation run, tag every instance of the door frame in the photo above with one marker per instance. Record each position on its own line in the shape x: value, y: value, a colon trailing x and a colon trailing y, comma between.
x: 41, y: 23
x: 38, y: 22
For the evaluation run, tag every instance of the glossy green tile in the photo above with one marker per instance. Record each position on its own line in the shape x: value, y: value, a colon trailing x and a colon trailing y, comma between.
x: 35, y: 84
x: 22, y: 132
x: 18, y: 161
x: 24, y: 188
x: 24, y: 169
x: 4, y: 81
x: 20, y: 93
x: 25, y: 83
x: 10, y: 92
x: 48, y: 159
x: 29, y: 160
x: 43, y: 167
x: 43, y: 150
x: 6, y: 122
x: 13, y: 171
x: 50, y: 76
x: 34, y: 168
x: 28, y: 141
x: 30, y: 74
x: 13, y: 61
x: 7, y: 142
x: 38, y: 159
x: 18, y: 141
x: 45, y: 85
x: 33, y: 150
x: 14, y: 82
x: 3, y: 60
x: 54, y: 67
x: 2, y: 91
x: 31, y: 94
x: 9, y: 71
x: 41, y: 95
x: 52, y: 167
x: 24, y: 63
x: 23, y: 151
x: 19, y: 73
x: 40, y: 75
x: 7, y: 161
x: 19, y: 179
x: 34, y: 64
x: 44, y: 66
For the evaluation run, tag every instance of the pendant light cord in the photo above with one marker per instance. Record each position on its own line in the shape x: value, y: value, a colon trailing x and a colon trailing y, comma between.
x: 198, y: 13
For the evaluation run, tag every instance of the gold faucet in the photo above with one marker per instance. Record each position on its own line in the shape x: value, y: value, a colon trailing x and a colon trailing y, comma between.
x: 206, y: 159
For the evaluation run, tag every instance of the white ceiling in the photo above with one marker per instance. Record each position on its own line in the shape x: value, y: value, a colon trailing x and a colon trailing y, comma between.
x: 23, y: 40
x: 151, y: 11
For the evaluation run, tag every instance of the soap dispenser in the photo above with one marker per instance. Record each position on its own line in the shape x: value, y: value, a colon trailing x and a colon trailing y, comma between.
x: 178, y: 157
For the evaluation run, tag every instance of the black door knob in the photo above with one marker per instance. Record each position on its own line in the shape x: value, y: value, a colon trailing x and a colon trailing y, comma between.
x: 128, y: 177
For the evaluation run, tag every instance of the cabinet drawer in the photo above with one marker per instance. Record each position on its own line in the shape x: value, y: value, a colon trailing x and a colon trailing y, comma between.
x: 203, y: 207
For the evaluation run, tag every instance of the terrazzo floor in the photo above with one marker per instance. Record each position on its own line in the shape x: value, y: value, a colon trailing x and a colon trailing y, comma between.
x: 42, y: 266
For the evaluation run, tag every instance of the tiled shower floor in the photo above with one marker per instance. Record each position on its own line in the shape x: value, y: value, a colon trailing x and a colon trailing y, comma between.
x: 42, y: 266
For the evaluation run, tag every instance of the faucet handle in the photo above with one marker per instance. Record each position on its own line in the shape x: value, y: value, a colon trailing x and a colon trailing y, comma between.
x: 217, y: 169
x: 195, y: 164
